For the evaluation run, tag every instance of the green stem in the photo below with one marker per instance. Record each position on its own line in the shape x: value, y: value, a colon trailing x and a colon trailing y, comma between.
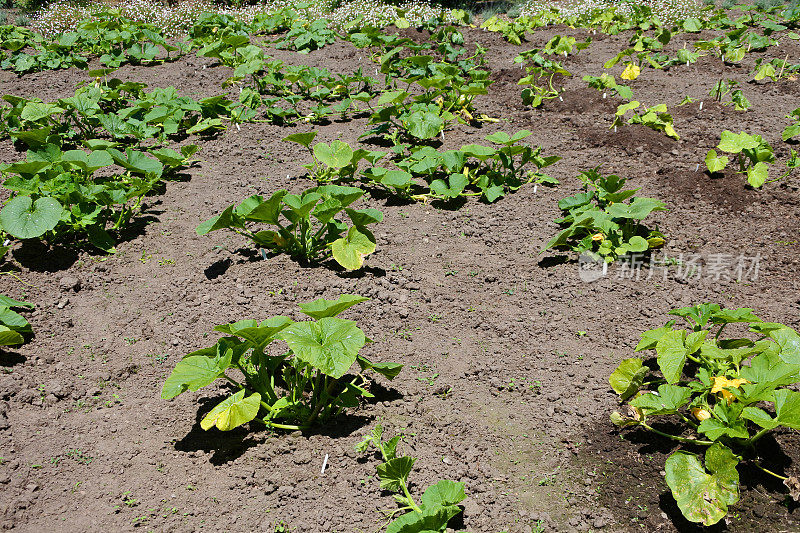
x: 409, y: 498
x: 281, y: 426
x: 752, y: 440
x: 770, y: 472
x: 683, y: 440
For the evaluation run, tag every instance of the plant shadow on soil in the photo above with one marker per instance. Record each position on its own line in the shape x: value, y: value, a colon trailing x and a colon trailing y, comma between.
x: 49, y: 258
x: 10, y: 359
x: 227, y: 446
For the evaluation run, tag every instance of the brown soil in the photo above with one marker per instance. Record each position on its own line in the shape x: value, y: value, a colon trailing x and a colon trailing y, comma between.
x: 500, y: 390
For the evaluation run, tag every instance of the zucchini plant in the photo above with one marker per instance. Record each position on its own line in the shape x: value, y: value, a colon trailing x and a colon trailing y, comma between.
x: 292, y: 389
x: 656, y: 118
x: 605, y: 219
x: 722, y: 394
x: 307, y: 226
x: 439, y: 502
x: 753, y: 153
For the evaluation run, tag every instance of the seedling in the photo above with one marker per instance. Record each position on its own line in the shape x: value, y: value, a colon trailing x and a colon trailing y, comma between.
x: 753, y: 154
x: 439, y: 502
x: 302, y: 386
x: 719, y: 389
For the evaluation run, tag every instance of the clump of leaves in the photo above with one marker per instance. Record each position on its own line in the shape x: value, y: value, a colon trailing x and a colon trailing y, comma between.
x: 753, y: 153
x: 336, y: 161
x: 541, y: 75
x: 724, y: 393
x: 606, y: 82
x: 289, y: 389
x: 13, y: 325
x: 656, y: 118
x: 605, y: 220
x: 306, y: 223
x: 439, y: 502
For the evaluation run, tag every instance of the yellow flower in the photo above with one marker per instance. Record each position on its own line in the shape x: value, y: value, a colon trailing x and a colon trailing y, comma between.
x: 599, y: 237
x: 722, y: 382
x: 700, y: 414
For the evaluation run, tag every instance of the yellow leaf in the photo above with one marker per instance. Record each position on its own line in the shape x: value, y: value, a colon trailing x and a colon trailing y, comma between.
x: 631, y: 72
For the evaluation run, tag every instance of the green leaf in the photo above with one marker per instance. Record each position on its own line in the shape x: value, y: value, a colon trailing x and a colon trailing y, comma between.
x: 25, y: 219
x: 757, y: 174
x: 443, y: 494
x: 329, y: 344
x: 672, y: 354
x: 392, y: 472
x: 259, y: 334
x: 433, y: 520
x: 423, y: 124
x: 650, y: 338
x: 628, y: 377
x: 714, y: 163
x: 637, y: 210
x: 387, y: 370
x: 9, y: 337
x: 322, y: 308
x: 787, y: 339
x: 193, y: 373
x: 452, y: 189
x: 668, y: 400
x: 787, y: 408
x: 232, y: 412
x: 704, y: 497
x: 734, y: 143
x: 337, y: 155
x: 221, y: 221
x: 350, y: 250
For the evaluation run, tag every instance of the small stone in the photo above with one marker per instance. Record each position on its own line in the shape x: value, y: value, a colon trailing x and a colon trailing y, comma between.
x: 68, y: 283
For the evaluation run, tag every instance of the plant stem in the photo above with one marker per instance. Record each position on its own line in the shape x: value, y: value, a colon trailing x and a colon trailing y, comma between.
x: 684, y: 440
x: 771, y: 473
x: 757, y: 436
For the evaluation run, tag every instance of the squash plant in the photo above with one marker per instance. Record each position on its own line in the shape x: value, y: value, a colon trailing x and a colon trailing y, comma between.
x: 290, y: 389
x: 600, y: 222
x: 439, y: 503
x: 725, y: 394
x: 753, y: 153
x: 306, y: 223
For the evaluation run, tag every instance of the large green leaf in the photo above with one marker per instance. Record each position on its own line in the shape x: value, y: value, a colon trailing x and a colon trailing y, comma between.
x: 350, y: 250
x: 628, y: 377
x: 786, y: 337
x: 734, y: 143
x: 322, y: 308
x: 259, y: 334
x: 337, y: 155
x: 443, y: 494
x: 432, y: 520
x: 329, y: 344
x: 392, y: 472
x: 232, y: 412
x: 25, y: 219
x: 715, y: 163
x: 423, y: 124
x: 787, y: 408
x: 651, y: 337
x: 638, y: 209
x: 672, y: 353
x: 9, y: 337
x: 668, y: 400
x: 704, y: 497
x: 193, y: 373
x: 757, y: 174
